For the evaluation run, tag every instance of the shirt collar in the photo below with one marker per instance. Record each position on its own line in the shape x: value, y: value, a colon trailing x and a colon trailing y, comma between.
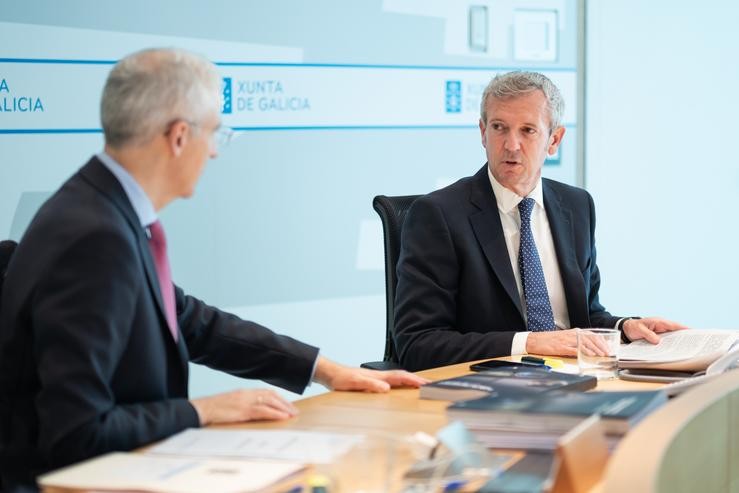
x: 139, y: 200
x: 508, y: 200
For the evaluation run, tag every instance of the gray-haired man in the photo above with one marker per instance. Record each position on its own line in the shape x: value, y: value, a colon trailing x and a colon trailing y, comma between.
x: 503, y: 262
x: 95, y: 338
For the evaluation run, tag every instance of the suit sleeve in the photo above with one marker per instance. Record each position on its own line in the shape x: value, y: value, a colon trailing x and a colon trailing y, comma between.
x: 426, y: 329
x: 82, y: 315
x: 599, y: 316
x: 225, y: 342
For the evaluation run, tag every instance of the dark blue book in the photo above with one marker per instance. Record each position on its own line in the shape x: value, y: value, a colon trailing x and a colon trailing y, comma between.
x: 556, y: 412
x: 505, y: 382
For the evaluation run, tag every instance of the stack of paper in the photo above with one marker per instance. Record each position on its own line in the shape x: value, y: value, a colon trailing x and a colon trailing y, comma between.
x: 120, y: 471
x: 298, y: 446
x: 684, y: 350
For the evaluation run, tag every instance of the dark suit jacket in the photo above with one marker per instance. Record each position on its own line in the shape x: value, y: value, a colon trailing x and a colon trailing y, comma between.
x: 87, y: 362
x: 457, y: 299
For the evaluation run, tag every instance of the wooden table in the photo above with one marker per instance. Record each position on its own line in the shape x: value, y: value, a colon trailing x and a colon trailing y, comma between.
x: 397, y: 413
x: 385, y: 418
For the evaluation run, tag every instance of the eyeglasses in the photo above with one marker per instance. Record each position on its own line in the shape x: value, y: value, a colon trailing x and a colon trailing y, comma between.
x: 223, y: 136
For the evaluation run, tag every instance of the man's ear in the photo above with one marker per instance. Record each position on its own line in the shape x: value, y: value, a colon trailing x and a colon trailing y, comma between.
x: 555, y: 140
x: 177, y: 137
x: 482, y: 126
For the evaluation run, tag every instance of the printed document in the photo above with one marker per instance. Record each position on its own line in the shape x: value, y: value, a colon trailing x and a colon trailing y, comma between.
x: 120, y: 471
x: 682, y: 350
x: 298, y: 446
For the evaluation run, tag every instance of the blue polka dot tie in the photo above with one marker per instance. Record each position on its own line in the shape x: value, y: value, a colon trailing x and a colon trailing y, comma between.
x: 538, y: 309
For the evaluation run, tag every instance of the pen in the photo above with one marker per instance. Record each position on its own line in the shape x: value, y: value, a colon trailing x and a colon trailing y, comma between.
x: 532, y: 359
x: 550, y: 362
x: 319, y: 483
x: 454, y: 485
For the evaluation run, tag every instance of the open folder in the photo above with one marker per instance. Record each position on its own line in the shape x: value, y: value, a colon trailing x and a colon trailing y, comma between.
x: 120, y: 471
x: 689, y: 350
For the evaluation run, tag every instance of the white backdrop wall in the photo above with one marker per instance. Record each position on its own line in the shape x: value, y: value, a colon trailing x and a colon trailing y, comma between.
x: 281, y: 228
x: 661, y: 161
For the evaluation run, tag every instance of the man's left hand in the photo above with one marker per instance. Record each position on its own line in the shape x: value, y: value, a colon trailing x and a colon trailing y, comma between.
x: 340, y: 377
x: 648, y: 328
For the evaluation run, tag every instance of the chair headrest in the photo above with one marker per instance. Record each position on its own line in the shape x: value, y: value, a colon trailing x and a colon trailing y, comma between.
x: 7, y: 247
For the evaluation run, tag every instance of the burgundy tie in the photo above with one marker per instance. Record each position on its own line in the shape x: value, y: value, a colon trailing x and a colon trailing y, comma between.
x: 158, y: 245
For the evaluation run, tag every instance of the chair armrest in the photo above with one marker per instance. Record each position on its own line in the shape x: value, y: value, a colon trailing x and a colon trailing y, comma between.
x: 381, y: 365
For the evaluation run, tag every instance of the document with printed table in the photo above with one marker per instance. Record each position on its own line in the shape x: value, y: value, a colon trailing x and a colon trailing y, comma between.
x: 689, y: 350
x: 292, y: 445
x: 121, y: 471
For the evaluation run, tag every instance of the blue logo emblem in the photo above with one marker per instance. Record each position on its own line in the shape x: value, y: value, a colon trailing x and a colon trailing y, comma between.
x: 227, y: 96
x: 453, y: 100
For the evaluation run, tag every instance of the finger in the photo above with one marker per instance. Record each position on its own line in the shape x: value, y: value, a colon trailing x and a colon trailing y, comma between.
x: 643, y: 332
x: 589, y: 345
x: 369, y: 384
x: 401, y: 378
x: 669, y: 327
x: 602, y: 343
x: 663, y: 325
x: 651, y: 337
x: 261, y: 411
x: 274, y: 401
x: 568, y: 351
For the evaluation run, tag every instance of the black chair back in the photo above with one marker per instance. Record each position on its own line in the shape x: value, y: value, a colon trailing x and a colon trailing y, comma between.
x: 392, y: 211
x: 7, y: 247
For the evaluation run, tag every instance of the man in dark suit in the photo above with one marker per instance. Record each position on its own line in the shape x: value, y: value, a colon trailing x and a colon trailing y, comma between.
x: 95, y: 338
x: 503, y: 262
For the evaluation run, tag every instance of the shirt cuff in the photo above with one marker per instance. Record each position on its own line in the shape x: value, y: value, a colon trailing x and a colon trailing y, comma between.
x: 313, y: 372
x: 518, y: 346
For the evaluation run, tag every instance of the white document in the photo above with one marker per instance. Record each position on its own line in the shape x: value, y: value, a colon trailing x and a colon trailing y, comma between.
x: 300, y: 446
x: 683, y: 350
x: 120, y: 471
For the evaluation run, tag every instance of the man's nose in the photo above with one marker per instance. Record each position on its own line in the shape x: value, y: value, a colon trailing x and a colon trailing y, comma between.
x: 512, y: 142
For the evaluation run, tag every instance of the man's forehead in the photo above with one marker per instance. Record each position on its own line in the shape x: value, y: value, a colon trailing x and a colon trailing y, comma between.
x: 528, y: 106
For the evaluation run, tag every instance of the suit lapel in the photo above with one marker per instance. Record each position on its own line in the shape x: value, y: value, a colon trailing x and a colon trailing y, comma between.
x: 489, y: 233
x: 563, y: 236
x: 98, y: 175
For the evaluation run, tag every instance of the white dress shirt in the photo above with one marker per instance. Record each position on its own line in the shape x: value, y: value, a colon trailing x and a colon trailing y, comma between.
x: 510, y: 219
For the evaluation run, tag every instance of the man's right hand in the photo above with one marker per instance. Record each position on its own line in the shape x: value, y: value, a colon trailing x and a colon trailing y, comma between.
x: 243, y: 405
x: 553, y: 343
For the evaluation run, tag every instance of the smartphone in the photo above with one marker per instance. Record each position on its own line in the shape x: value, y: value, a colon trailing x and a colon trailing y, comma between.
x: 494, y: 364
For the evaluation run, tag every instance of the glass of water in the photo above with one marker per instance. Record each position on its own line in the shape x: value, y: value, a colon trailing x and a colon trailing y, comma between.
x: 597, y: 352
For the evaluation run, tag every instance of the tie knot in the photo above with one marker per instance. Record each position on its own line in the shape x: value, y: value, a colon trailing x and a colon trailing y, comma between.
x: 157, y: 234
x: 525, y: 207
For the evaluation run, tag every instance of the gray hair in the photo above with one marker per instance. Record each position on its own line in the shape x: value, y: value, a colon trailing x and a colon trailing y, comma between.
x: 150, y: 89
x: 515, y: 84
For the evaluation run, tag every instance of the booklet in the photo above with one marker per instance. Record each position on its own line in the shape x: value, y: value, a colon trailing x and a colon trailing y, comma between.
x: 556, y: 412
x: 122, y: 471
x: 507, y: 381
x: 689, y: 350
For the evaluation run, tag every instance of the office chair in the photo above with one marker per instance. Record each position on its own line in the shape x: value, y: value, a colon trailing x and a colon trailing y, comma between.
x: 392, y: 211
x: 7, y: 247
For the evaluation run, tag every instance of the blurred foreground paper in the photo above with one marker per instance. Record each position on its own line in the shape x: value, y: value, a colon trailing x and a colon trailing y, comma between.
x: 120, y: 471
x: 299, y: 446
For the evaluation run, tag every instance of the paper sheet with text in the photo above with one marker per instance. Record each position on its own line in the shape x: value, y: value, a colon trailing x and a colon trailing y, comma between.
x: 301, y: 446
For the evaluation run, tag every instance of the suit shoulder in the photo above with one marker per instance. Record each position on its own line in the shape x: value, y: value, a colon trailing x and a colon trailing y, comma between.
x: 570, y: 192
x: 76, y: 211
x: 450, y: 194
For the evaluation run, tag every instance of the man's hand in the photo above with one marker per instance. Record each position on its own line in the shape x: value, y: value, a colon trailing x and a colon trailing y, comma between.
x: 648, y: 328
x: 339, y: 377
x: 553, y: 343
x: 243, y: 405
